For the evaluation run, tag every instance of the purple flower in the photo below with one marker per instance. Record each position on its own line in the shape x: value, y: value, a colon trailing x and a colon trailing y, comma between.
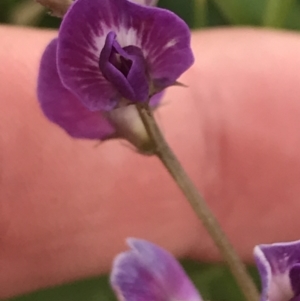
x: 109, y: 56
x: 149, y: 273
x: 279, y: 268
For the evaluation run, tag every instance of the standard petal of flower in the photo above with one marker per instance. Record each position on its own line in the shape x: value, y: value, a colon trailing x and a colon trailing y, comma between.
x: 149, y: 273
x: 279, y: 268
x: 62, y: 107
x: 81, y: 38
x: 165, y: 41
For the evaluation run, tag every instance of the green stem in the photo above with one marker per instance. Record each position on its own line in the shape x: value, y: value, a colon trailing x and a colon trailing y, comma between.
x: 167, y: 157
x: 200, y: 11
x: 276, y: 12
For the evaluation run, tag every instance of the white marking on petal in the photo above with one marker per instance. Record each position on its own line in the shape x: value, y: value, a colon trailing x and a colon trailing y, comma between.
x: 170, y: 44
x: 278, y: 284
x: 280, y: 288
x: 99, y: 43
x: 145, y: 2
x: 127, y: 37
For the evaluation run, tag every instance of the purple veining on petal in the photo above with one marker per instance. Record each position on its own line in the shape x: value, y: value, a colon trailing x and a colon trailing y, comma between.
x: 165, y: 41
x: 81, y: 38
x: 278, y: 265
x: 149, y: 273
x: 125, y: 69
x: 62, y: 107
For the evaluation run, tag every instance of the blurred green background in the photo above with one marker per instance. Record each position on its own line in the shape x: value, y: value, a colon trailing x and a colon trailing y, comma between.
x: 214, y: 281
x: 197, y: 13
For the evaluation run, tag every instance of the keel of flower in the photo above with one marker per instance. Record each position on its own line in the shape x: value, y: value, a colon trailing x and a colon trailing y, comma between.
x: 279, y: 268
x: 149, y: 273
x: 125, y: 68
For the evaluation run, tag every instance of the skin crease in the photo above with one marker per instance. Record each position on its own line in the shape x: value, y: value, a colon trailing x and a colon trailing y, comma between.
x: 67, y: 205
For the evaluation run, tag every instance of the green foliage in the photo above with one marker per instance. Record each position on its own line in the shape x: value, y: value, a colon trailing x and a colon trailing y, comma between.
x: 214, y: 281
x: 203, y: 13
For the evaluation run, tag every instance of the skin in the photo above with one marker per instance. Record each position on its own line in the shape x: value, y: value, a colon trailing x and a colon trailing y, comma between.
x: 67, y: 205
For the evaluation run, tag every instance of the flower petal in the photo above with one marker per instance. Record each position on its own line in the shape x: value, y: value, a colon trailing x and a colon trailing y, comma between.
x: 278, y: 265
x: 295, y: 278
x: 165, y: 41
x: 149, y: 273
x: 62, y: 107
x: 155, y: 100
x: 81, y: 38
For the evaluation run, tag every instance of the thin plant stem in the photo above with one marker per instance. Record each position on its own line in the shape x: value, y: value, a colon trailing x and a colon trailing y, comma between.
x: 276, y: 12
x: 167, y: 157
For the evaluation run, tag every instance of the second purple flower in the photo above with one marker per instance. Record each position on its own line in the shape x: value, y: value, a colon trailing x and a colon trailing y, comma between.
x: 148, y: 273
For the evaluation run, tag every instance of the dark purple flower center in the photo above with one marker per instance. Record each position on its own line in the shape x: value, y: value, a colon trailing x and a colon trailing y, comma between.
x: 125, y: 68
x: 120, y: 62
